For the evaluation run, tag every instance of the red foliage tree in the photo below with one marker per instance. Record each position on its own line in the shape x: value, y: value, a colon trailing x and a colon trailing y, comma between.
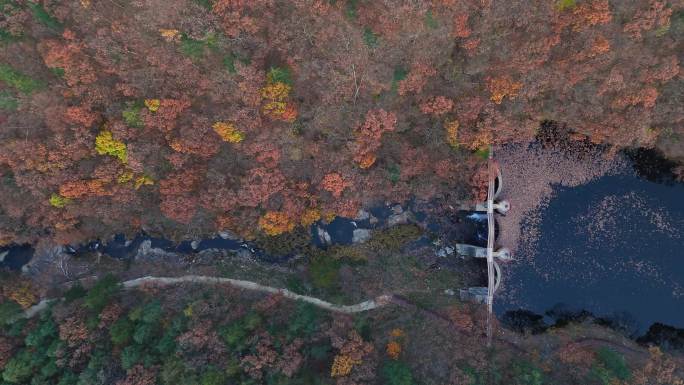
x: 416, y: 79
x: 180, y: 208
x: 259, y: 185
x: 437, y: 105
x: 369, y: 134
x: 335, y: 183
x: 70, y: 57
x: 164, y: 119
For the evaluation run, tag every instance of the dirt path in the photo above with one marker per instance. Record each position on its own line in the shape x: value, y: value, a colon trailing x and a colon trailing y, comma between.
x: 378, y: 302
x: 248, y: 285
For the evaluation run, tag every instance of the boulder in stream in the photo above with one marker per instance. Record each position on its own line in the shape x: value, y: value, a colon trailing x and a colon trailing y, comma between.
x: 361, y: 235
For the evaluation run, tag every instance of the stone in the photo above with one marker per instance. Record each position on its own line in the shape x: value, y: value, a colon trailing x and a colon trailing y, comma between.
x: 397, y: 209
x: 323, y: 236
x: 362, y: 215
x: 449, y: 292
x: 227, y: 234
x: 3, y: 255
x: 444, y: 251
x: 397, y: 219
x: 361, y: 235
x: 194, y: 244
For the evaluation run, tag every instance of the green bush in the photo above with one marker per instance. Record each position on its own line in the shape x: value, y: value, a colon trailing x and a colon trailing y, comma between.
x: 323, y: 271
x: 41, y: 337
x: 236, y: 334
x: 9, y: 311
x: 399, y: 74
x: 304, y: 321
x: 191, y: 47
x: 6, y: 37
x: 205, y: 3
x: 394, y: 238
x: 351, y: 10
x: 19, y: 368
x: 430, y: 21
x: 279, y: 74
x: 17, y: 80
x: 8, y: 101
x: 167, y: 344
x: 131, y: 115
x: 397, y: 373
x: 610, y: 366
x: 75, y: 292
x: 563, y: 5
x: 101, y: 293
x: 394, y: 173
x: 524, y: 373
x: 171, y: 371
x: 121, y: 331
x: 212, y: 376
x: 43, y: 17
x: 130, y: 356
x: 285, y: 243
x: 483, y: 152
x: 370, y: 38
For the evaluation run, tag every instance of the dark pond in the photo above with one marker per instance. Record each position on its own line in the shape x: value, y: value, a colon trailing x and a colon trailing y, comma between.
x: 613, y: 247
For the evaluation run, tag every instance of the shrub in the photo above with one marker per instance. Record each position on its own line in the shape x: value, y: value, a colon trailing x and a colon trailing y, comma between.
x: 304, y: 322
x: 323, y: 271
x: 19, y: 368
x: 563, y: 5
x: 370, y: 38
x: 17, y: 80
x: 229, y: 62
x: 430, y: 21
x: 121, y: 331
x: 130, y: 356
x: 279, y: 75
x: 395, y: 238
x: 524, y: 373
x: 610, y: 365
x: 204, y: 3
x: 351, y: 10
x: 400, y: 73
x: 191, y: 47
x: 75, y: 292
x: 235, y: 334
x: 397, y: 373
x: 7, y: 37
x: 482, y: 152
x: 43, y: 17
x: 213, y: 377
x: 9, y: 311
x: 7, y: 101
x: 394, y: 173
x: 131, y: 115
x: 99, y: 295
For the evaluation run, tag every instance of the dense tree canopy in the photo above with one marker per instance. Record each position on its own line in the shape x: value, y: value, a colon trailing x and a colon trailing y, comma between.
x: 189, y: 112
